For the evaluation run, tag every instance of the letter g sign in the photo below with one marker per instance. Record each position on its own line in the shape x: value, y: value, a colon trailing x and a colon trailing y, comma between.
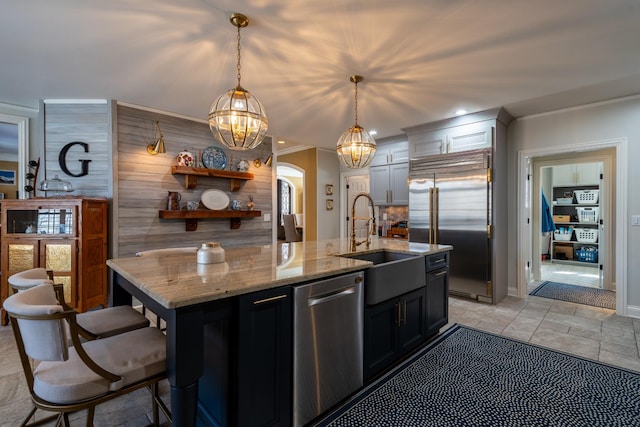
x: 62, y: 159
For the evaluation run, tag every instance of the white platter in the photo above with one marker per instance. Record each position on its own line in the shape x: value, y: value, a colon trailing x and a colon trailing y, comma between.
x: 214, y: 199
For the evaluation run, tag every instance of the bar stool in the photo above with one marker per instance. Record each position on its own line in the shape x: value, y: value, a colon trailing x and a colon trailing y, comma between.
x: 67, y: 378
x: 93, y: 324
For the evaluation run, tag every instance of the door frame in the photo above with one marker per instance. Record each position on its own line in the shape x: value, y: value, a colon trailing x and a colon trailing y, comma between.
x: 344, y: 197
x: 524, y: 208
x: 605, y: 258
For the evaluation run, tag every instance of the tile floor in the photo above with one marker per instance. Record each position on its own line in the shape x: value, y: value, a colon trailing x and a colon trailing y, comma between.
x: 590, y: 332
x: 571, y: 274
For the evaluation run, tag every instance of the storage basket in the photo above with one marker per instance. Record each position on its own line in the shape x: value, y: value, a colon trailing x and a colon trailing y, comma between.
x: 562, y: 218
x: 562, y: 237
x: 586, y: 255
x: 586, y: 235
x: 585, y: 197
x: 588, y: 215
x: 564, y: 200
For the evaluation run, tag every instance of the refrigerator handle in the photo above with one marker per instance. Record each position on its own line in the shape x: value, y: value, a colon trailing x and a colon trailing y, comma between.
x: 431, y: 215
x: 436, y: 215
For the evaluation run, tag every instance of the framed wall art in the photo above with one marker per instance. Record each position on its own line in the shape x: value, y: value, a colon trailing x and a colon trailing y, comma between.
x: 329, y: 204
x: 328, y: 189
x: 7, y: 177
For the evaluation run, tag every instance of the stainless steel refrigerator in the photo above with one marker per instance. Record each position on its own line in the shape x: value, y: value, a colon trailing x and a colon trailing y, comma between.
x: 450, y: 203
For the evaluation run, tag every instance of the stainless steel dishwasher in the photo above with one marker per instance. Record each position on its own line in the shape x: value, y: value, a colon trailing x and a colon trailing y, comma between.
x: 327, y: 344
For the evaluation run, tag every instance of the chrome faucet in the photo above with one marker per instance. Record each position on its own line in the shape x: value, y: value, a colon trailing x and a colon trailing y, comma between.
x: 372, y: 218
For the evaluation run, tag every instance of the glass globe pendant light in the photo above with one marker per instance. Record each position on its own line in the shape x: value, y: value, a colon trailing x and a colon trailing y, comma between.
x: 356, y: 148
x: 237, y: 119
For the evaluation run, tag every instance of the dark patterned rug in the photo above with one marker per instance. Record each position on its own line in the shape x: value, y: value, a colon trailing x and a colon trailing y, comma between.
x: 578, y: 294
x: 471, y: 378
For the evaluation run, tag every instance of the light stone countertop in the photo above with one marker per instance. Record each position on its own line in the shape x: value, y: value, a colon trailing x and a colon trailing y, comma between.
x: 178, y: 281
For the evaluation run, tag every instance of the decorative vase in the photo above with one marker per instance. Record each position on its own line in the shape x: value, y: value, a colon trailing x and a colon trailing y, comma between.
x: 185, y: 158
x: 210, y: 253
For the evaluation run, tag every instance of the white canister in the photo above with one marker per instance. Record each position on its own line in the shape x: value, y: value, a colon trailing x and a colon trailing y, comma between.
x: 210, y: 253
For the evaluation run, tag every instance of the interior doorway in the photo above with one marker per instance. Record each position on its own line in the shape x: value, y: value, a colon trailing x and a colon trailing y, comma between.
x: 615, y: 152
x: 353, y: 183
x: 573, y: 214
x: 290, y: 197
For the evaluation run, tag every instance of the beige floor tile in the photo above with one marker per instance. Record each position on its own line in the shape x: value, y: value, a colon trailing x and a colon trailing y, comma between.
x: 632, y: 363
x: 579, y: 346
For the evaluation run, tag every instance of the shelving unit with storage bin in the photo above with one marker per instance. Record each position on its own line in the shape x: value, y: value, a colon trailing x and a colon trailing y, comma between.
x: 576, y: 214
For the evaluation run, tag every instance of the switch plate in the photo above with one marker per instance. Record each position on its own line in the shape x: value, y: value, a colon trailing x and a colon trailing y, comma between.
x: 635, y: 220
x: 267, y: 217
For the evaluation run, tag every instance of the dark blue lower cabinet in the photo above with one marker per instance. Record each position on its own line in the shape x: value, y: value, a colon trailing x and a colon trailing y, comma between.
x: 248, y: 363
x: 437, y: 267
x: 265, y: 358
x: 437, y: 300
x: 393, y: 328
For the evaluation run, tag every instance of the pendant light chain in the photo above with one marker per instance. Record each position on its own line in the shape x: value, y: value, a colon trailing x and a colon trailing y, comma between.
x: 238, y: 66
x: 356, y: 97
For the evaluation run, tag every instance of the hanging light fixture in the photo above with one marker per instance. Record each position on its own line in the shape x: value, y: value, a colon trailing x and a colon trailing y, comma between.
x: 356, y: 147
x: 237, y: 119
x: 158, y: 141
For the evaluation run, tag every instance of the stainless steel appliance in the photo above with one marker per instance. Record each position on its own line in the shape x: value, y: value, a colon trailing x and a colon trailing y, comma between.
x: 450, y: 203
x: 327, y: 344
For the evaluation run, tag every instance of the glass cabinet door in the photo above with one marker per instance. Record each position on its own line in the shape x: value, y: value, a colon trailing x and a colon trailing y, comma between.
x: 40, y: 221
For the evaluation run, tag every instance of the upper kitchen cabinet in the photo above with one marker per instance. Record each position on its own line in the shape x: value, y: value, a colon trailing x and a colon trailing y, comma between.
x: 464, y: 133
x: 576, y: 174
x: 391, y: 150
x: 389, y: 171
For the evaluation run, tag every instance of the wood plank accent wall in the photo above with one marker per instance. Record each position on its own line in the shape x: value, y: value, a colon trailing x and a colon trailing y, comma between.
x: 84, y: 122
x: 143, y: 182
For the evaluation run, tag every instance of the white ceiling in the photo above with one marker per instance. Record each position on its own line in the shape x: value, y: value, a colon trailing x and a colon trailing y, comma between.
x: 421, y: 59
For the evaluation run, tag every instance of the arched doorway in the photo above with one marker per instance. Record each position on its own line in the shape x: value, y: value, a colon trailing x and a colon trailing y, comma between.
x: 290, y: 196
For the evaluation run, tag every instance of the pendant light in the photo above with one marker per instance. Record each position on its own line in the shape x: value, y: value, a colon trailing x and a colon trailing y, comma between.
x: 237, y: 119
x: 356, y: 148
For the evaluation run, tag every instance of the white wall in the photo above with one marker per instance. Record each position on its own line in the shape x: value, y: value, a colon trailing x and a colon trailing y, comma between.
x: 328, y: 173
x: 597, y: 122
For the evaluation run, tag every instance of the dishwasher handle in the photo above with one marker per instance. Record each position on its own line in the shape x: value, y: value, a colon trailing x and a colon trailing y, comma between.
x: 329, y: 297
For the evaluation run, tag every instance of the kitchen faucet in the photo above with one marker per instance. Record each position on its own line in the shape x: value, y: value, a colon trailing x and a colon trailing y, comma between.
x: 372, y: 218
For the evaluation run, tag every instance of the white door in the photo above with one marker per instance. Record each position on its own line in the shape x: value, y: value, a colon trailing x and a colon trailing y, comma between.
x: 357, y: 184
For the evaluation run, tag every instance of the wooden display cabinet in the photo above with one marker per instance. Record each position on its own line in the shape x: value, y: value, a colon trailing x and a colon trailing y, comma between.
x: 66, y: 235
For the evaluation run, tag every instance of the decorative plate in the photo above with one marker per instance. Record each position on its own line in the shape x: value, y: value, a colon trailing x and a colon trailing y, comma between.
x: 214, y: 158
x: 214, y: 199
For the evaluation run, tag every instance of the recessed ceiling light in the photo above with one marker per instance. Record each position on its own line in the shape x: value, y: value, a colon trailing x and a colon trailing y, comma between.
x: 461, y: 112
x: 373, y: 132
x: 281, y: 141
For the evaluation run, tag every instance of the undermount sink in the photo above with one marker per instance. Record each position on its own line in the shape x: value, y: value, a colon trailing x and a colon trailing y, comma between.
x: 392, y: 274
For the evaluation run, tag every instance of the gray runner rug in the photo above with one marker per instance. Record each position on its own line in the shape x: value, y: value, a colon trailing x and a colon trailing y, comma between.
x: 578, y: 294
x: 467, y: 377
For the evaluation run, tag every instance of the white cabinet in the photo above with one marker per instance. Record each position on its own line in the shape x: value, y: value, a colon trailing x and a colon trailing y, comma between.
x: 389, y: 172
x: 390, y: 153
x: 576, y: 174
x: 468, y: 137
x: 427, y: 144
x: 389, y: 185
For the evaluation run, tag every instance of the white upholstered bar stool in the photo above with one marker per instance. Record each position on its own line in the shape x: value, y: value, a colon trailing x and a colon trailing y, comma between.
x: 69, y: 379
x: 93, y: 324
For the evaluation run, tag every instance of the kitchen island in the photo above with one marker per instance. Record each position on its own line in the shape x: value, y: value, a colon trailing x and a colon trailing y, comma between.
x: 206, y: 306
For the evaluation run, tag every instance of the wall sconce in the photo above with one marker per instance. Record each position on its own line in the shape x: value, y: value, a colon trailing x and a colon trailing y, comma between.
x: 158, y: 144
x: 257, y: 162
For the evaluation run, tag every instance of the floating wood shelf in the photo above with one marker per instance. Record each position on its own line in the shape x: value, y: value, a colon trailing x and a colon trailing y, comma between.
x: 191, y: 217
x: 191, y: 176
